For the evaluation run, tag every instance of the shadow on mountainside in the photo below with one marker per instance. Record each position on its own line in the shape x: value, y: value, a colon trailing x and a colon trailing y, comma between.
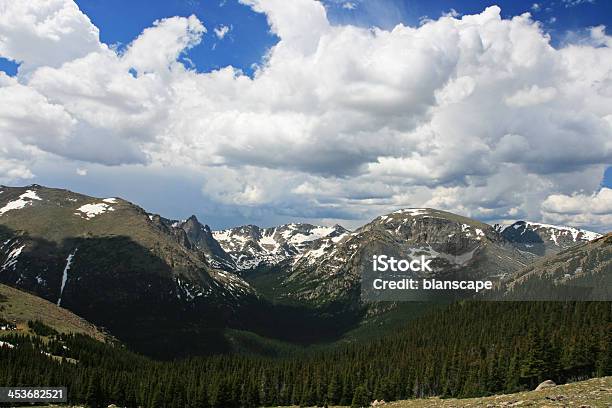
x: 122, y: 286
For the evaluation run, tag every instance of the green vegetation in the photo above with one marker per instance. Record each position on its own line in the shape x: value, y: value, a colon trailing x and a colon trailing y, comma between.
x: 464, y: 350
x: 18, y: 308
x: 41, y: 329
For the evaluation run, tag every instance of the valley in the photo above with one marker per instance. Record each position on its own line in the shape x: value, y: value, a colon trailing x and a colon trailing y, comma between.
x: 278, y: 316
x: 174, y: 287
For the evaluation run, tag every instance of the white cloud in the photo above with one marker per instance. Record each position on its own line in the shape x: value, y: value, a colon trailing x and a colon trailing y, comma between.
x: 531, y: 96
x: 81, y: 171
x: 477, y: 114
x: 580, y: 209
x: 158, y: 47
x: 349, y: 5
x: 299, y: 23
x: 221, y: 31
x: 13, y: 171
x: 45, y: 32
x: 452, y: 13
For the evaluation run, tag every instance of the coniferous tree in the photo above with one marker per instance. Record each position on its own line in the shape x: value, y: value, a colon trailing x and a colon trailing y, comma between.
x: 360, y: 397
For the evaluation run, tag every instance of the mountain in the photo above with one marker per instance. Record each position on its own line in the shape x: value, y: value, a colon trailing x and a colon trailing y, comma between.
x: 250, y: 246
x: 113, y: 264
x: 201, y: 236
x: 582, y: 272
x: 163, y: 287
x: 175, y: 287
x: 460, y: 248
x: 543, y: 239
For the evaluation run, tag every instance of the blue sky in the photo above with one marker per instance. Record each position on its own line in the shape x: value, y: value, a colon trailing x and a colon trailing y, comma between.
x: 249, y: 37
x: 224, y: 177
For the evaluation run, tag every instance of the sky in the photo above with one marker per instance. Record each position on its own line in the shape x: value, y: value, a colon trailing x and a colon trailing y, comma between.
x: 268, y: 111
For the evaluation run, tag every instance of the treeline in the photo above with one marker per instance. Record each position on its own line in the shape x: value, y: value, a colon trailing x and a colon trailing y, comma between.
x: 467, y: 349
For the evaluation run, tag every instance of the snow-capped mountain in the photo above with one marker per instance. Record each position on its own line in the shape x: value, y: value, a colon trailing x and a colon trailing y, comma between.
x: 250, y: 246
x: 461, y: 247
x: 118, y: 266
x: 542, y: 239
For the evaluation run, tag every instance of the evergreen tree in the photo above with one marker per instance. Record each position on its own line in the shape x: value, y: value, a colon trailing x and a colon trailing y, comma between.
x: 360, y: 397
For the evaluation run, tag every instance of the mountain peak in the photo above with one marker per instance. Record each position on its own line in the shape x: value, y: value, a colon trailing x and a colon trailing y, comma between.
x: 250, y: 245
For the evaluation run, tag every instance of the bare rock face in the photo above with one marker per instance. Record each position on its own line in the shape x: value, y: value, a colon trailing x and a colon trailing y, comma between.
x: 545, y: 384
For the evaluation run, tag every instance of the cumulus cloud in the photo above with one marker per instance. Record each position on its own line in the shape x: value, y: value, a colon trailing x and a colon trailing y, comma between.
x: 45, y: 32
x: 580, y: 209
x: 158, y: 47
x: 478, y: 114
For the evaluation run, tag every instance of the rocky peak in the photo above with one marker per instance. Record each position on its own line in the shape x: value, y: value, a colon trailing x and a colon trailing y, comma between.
x: 251, y: 246
x: 201, y: 237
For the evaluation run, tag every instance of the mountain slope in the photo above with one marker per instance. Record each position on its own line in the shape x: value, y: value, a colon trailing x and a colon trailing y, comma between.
x: 18, y: 307
x: 544, y: 239
x: 582, y: 272
x: 110, y: 262
x: 461, y: 248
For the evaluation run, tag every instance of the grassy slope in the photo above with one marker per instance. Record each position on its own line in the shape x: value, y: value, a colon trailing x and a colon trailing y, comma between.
x: 593, y: 393
x: 53, y: 218
x: 17, y: 306
x: 596, y: 392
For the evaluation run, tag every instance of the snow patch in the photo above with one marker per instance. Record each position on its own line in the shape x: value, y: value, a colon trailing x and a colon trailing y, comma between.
x: 11, y: 260
x: 65, y: 275
x: 6, y: 344
x: 92, y: 210
x: 413, y: 212
x: 24, y: 200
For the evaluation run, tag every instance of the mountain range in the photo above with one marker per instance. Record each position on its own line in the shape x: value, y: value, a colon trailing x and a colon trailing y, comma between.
x: 135, y: 273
